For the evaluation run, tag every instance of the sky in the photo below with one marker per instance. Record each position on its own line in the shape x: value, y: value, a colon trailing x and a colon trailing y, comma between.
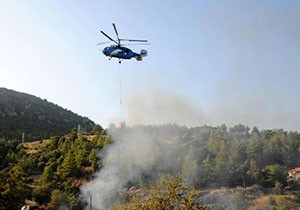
x: 209, y: 62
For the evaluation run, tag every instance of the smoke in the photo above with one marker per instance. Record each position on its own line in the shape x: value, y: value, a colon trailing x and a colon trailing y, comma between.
x: 144, y: 152
x: 138, y: 151
x: 162, y: 107
x: 134, y: 152
x: 226, y: 198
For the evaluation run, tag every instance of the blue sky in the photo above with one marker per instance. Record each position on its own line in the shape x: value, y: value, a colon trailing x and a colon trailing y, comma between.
x: 209, y: 62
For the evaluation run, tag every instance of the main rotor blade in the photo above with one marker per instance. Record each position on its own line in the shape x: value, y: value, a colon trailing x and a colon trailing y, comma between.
x: 116, y: 33
x: 115, y: 29
x: 134, y: 40
x: 109, y: 37
x: 135, y: 44
x: 103, y: 43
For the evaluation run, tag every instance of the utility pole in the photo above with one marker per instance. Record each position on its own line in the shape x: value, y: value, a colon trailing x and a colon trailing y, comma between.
x: 91, y: 205
x: 23, y: 138
x: 79, y: 131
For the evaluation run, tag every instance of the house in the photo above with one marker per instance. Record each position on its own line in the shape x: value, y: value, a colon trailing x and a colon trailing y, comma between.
x: 294, y: 173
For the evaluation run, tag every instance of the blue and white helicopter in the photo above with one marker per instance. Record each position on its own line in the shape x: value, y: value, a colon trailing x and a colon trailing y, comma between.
x: 120, y: 52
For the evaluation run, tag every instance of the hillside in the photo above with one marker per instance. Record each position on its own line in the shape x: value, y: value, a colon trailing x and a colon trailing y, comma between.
x: 37, y: 118
x: 225, y: 168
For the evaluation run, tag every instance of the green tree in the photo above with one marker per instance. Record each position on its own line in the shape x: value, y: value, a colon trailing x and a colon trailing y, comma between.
x: 253, y: 172
x: 221, y: 163
x: 278, y: 188
x: 254, y: 148
x: 68, y: 166
x: 80, y: 157
x: 13, y: 188
x: 190, y: 168
x: 41, y: 195
x: 274, y: 173
x: 47, y: 177
x: 59, y: 199
x: 93, y: 159
x: 236, y: 164
x: 97, y: 130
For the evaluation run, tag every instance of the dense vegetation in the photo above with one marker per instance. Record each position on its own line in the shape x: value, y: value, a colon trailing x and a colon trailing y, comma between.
x: 225, y: 157
x: 206, y: 156
x: 37, y: 118
x: 50, y: 173
x: 221, y: 157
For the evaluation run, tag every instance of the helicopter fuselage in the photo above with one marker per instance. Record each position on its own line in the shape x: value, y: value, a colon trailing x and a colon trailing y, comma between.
x: 120, y: 52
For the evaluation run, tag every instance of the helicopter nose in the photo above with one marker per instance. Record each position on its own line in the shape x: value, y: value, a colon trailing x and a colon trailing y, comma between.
x: 104, y: 51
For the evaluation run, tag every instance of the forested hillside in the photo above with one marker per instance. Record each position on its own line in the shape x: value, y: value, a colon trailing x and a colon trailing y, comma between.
x: 221, y: 156
x: 37, y: 118
x: 53, y: 171
x: 48, y: 172
x: 208, y: 158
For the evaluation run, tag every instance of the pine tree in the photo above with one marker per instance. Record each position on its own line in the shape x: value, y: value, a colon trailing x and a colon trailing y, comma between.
x: 47, y: 177
x: 68, y: 166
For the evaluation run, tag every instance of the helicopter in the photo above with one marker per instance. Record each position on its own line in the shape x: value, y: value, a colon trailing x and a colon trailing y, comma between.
x: 119, y: 51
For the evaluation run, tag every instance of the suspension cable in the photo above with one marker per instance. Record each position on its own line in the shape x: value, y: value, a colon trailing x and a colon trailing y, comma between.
x: 121, y: 100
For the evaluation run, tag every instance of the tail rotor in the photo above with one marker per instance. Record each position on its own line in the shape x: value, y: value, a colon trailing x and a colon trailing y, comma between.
x: 143, y: 53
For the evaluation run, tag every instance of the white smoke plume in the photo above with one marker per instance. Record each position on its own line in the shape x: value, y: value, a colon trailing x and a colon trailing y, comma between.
x: 136, y: 151
x: 163, y: 107
x: 133, y: 153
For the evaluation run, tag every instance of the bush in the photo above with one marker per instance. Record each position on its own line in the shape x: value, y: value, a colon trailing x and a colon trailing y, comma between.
x: 41, y: 195
x: 256, y: 189
x: 278, y: 188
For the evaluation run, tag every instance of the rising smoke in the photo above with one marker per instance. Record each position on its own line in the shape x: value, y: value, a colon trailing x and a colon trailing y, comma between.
x: 162, y: 107
x: 141, y: 151
x: 135, y: 152
x: 138, y: 151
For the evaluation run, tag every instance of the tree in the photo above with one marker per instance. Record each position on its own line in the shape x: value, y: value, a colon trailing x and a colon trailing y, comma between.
x: 80, y: 157
x: 68, y: 166
x: 59, y: 199
x: 13, y: 188
x: 97, y: 130
x: 221, y: 162
x: 236, y: 162
x: 190, y: 168
x: 253, y: 172
x: 41, y: 195
x: 254, y: 148
x: 47, y: 176
x: 274, y: 173
x: 278, y: 188
x: 93, y: 159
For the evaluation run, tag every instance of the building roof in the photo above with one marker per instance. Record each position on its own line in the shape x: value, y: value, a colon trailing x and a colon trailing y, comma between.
x: 295, y: 170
